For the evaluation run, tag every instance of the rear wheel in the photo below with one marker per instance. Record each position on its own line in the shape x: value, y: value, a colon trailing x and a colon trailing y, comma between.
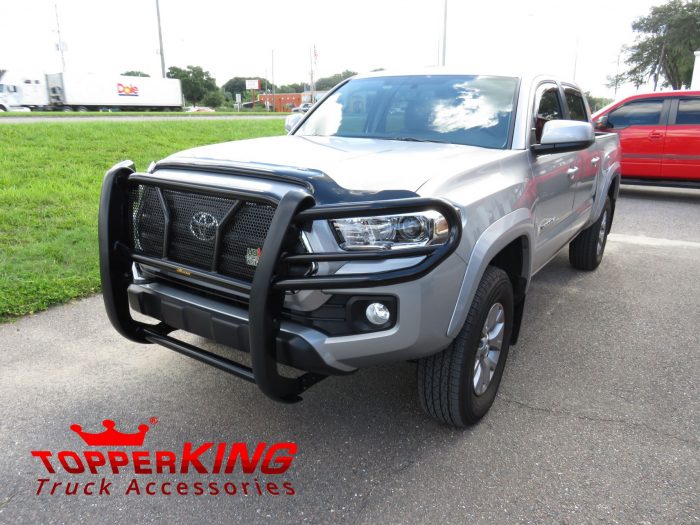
x: 458, y: 385
x: 586, y: 250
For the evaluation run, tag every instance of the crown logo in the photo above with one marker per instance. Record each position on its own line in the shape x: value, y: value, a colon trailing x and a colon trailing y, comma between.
x: 111, y: 437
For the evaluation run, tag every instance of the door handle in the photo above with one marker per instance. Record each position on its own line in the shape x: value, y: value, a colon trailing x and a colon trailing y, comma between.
x: 654, y: 135
x: 595, y: 160
x: 571, y: 172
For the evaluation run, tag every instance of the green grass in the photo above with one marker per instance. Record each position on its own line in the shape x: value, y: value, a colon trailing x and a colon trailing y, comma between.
x: 50, y: 179
x: 173, y: 114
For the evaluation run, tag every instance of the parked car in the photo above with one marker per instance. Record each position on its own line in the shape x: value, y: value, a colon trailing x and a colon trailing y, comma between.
x: 659, y: 136
x: 306, y: 106
x: 366, y: 236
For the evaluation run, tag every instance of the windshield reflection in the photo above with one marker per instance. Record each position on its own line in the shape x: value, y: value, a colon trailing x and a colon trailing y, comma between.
x: 472, y: 110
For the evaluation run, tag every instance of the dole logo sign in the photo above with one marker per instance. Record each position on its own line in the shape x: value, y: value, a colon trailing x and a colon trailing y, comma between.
x: 129, y: 469
x: 127, y: 90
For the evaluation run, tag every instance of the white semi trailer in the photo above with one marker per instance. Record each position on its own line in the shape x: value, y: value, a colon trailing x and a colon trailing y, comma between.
x: 89, y: 92
x: 9, y: 92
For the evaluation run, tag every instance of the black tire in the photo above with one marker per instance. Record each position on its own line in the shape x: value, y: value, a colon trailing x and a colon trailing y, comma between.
x: 446, y: 380
x: 584, y: 250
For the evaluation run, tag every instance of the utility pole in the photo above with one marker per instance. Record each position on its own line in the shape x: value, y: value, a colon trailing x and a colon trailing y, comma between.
x: 444, y: 34
x: 60, y: 42
x: 576, y: 58
x: 160, y: 40
x: 312, y: 86
x: 273, y: 81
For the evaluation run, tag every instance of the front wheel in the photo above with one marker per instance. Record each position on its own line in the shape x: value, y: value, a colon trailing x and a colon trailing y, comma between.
x: 458, y: 385
x: 586, y: 250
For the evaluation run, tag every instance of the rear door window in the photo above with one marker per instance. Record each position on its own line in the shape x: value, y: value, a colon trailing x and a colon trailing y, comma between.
x: 688, y: 111
x: 636, y: 113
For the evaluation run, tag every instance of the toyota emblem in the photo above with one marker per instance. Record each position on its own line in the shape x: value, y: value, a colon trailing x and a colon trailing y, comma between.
x: 203, y: 226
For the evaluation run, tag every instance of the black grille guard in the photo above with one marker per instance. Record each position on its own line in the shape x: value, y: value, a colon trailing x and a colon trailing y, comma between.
x: 266, y: 292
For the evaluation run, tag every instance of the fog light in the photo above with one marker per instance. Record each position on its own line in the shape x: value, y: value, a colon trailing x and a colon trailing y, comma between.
x: 377, y: 314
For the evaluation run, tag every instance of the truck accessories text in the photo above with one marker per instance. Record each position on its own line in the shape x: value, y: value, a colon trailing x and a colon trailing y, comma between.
x: 207, y: 458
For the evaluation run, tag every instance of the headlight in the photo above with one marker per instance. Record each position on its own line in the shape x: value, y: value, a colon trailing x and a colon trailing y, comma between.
x: 391, y: 231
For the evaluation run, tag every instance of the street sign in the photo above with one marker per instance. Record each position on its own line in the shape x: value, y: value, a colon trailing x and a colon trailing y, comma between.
x: 252, y: 83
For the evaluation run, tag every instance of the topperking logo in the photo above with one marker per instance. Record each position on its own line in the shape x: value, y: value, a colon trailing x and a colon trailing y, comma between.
x: 224, y: 468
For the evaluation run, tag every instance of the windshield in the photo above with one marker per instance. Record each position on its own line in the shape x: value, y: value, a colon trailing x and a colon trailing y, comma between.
x: 470, y: 110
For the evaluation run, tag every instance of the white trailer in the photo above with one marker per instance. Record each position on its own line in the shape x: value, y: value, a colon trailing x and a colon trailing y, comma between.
x: 10, y: 94
x: 83, y: 92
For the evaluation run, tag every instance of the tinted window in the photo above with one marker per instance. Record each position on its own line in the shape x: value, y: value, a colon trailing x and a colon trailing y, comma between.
x: 457, y: 109
x: 548, y: 108
x: 636, y: 113
x: 577, y: 109
x: 688, y: 111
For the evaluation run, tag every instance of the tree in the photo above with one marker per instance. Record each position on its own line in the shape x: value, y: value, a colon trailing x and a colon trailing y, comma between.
x: 213, y: 99
x: 291, y: 88
x: 135, y: 74
x: 596, y: 103
x: 195, y: 82
x: 237, y: 85
x: 664, y: 48
x: 326, y: 83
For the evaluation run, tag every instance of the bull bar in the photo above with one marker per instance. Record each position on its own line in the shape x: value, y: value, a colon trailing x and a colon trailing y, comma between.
x: 295, y: 209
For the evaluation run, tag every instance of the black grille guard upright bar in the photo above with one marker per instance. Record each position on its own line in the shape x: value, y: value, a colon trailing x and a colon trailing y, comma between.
x: 296, y: 208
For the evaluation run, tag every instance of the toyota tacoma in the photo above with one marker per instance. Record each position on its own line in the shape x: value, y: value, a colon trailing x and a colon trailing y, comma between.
x: 400, y: 219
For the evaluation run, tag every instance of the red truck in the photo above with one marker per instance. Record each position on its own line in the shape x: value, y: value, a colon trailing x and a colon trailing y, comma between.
x: 659, y: 136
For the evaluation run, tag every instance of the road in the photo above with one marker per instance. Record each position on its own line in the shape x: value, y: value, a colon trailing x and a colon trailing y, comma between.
x: 133, y: 118
x: 597, y: 418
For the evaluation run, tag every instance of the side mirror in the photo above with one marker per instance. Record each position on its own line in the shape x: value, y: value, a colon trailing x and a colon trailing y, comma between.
x: 292, y: 120
x: 602, y: 123
x: 560, y: 136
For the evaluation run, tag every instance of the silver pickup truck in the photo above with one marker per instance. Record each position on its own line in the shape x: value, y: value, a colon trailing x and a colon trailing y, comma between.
x: 401, y: 219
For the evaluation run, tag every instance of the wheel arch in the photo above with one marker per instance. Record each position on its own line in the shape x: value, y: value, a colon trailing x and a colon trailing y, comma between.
x: 507, y: 244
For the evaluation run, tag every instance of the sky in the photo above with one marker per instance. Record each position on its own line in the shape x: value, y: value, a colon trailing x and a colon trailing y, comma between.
x: 573, y: 39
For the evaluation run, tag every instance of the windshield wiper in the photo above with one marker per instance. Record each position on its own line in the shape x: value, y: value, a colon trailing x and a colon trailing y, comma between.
x: 414, y: 139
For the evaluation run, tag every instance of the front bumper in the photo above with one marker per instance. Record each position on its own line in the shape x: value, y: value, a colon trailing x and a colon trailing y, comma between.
x: 259, y: 329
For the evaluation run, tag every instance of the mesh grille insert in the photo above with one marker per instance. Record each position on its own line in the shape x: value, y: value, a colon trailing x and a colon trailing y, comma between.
x: 147, y: 221
x: 244, y: 238
x: 195, y: 220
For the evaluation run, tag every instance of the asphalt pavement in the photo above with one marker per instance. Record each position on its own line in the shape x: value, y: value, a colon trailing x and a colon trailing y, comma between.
x: 596, y: 419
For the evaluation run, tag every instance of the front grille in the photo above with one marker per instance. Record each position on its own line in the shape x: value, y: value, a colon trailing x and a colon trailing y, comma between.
x: 195, y: 221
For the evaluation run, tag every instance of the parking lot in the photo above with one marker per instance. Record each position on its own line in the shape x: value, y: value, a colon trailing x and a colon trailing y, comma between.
x: 597, y: 417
